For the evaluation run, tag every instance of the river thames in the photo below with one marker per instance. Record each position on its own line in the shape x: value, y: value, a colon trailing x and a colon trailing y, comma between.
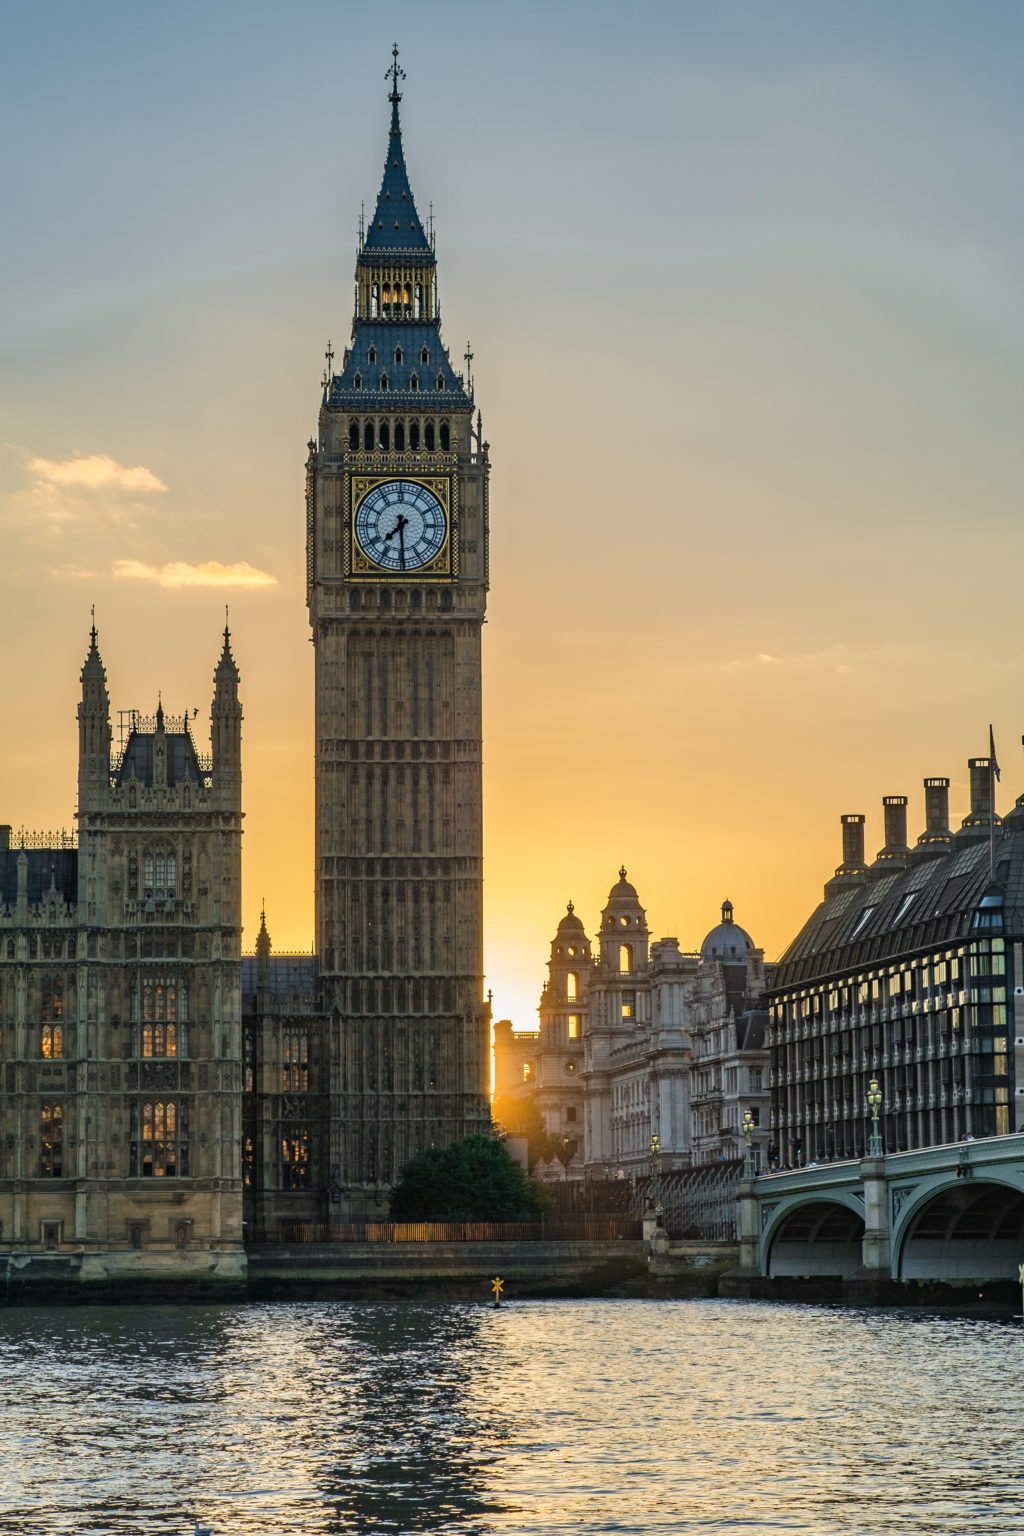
x: 542, y: 1417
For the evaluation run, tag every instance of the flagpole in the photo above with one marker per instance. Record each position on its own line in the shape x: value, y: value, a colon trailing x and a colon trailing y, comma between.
x: 993, y: 774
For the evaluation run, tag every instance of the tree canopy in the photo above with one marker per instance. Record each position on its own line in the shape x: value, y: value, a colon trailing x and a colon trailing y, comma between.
x: 472, y: 1180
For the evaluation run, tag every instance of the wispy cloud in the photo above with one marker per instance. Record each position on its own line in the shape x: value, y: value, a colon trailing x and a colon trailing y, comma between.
x: 178, y: 573
x: 95, y: 472
x: 840, y: 659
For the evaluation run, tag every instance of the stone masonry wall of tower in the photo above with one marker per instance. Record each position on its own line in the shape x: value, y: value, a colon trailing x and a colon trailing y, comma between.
x: 397, y: 524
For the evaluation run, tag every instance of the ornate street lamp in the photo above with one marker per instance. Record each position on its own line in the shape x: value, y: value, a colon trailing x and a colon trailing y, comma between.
x: 874, y: 1104
x: 655, y: 1158
x: 748, y: 1131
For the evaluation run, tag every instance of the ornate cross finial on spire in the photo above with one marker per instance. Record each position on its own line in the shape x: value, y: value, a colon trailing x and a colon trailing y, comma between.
x: 93, y: 631
x: 622, y: 872
x: 468, y: 355
x: 394, y: 74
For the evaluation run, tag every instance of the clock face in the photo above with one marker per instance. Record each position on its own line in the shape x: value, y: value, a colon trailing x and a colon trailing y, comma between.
x: 400, y: 526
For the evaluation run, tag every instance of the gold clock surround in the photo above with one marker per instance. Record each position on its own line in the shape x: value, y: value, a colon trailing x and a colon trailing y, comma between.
x: 445, y: 563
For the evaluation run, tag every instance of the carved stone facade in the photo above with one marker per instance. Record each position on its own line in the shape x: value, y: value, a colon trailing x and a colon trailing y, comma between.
x: 643, y: 1040
x: 120, y: 1008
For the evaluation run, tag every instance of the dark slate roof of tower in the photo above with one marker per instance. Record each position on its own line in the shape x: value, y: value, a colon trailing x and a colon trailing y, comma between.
x: 182, y: 759
x: 58, y: 866
x: 382, y: 339
x: 292, y: 978
x: 886, y: 915
x: 395, y: 226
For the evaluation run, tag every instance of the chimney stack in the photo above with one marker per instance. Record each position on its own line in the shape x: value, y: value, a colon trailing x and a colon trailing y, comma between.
x: 853, y: 843
x: 895, y: 854
x: 936, y: 837
x: 853, y: 868
x: 982, y: 815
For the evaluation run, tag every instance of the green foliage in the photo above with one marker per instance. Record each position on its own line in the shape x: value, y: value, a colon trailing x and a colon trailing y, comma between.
x: 472, y: 1180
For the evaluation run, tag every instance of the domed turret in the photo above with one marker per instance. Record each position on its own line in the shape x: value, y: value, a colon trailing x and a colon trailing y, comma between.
x: 727, y: 941
x: 570, y: 926
x: 624, y: 929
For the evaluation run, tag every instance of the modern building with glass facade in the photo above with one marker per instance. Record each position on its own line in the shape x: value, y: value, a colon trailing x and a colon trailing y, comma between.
x: 907, y: 973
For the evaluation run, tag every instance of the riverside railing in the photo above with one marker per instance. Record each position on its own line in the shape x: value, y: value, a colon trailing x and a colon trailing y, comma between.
x: 594, y: 1229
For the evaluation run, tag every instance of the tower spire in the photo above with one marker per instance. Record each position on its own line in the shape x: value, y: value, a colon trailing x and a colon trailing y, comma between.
x: 395, y: 226
x: 394, y: 74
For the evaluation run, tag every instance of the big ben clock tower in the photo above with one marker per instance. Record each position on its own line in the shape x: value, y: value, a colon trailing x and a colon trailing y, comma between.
x: 396, y: 511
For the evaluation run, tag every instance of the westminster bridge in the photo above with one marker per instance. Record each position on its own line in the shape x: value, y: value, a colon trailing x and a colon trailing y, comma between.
x: 952, y: 1214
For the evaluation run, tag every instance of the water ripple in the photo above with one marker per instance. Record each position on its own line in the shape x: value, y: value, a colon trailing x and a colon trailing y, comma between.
x: 549, y: 1417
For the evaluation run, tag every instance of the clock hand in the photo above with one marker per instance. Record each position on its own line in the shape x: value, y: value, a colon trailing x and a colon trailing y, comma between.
x: 401, y: 541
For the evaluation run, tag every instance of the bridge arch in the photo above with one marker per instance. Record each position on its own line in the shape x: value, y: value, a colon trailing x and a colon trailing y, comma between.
x: 968, y: 1230
x: 819, y: 1232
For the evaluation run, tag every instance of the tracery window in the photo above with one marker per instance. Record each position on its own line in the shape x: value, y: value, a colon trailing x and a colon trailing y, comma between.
x: 53, y: 1041
x: 295, y: 1061
x: 353, y: 435
x: 159, y: 1017
x: 159, y: 874
x: 295, y: 1158
x: 159, y: 1140
x: 51, y: 1141
x: 53, y: 1000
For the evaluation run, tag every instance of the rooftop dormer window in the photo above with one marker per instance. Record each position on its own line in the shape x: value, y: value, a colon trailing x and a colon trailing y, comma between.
x: 371, y: 356
x: 357, y: 382
x: 440, y: 381
x: 414, y: 382
x: 398, y: 354
x: 424, y: 356
x: 384, y: 381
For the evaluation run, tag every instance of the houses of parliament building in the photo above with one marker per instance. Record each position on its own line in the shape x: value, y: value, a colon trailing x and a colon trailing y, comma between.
x: 161, y: 1095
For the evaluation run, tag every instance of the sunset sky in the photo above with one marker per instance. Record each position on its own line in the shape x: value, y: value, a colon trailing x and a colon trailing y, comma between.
x: 745, y: 288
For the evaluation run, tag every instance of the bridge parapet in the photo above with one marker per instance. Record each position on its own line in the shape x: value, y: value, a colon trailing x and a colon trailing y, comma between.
x: 786, y: 1228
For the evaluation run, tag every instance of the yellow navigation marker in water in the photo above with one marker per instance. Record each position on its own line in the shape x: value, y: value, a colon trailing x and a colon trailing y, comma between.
x: 497, y: 1286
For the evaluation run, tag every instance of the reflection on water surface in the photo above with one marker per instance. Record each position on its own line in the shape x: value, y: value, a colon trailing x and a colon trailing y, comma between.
x: 543, y: 1417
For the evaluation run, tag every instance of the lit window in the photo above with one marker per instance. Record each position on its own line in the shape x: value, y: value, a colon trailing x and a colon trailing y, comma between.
x: 629, y: 1005
x: 295, y: 1062
x: 295, y: 1157
x: 574, y: 1026
x: 625, y: 960
x: 572, y: 986
x: 53, y: 1041
x: 51, y: 1141
x: 159, y: 1141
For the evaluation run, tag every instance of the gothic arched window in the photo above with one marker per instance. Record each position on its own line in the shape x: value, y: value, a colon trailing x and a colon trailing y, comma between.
x: 428, y: 436
x: 384, y: 435
x: 445, y: 437
x: 353, y: 434
x: 368, y: 437
x: 399, y: 435
x: 414, y: 435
